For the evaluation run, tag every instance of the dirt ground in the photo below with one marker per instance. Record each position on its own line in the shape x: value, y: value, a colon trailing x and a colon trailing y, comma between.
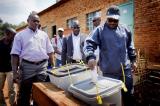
x: 5, y: 90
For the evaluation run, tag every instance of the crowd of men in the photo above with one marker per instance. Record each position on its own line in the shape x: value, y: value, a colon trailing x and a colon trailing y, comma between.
x: 25, y: 60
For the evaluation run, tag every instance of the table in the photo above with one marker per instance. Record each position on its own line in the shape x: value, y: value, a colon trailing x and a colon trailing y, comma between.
x: 154, y: 67
x: 47, y: 94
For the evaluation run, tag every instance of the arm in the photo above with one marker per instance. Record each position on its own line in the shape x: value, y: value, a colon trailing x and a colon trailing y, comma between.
x: 51, y: 58
x: 56, y: 50
x: 64, y: 51
x: 49, y: 49
x: 89, y: 47
x: 15, y: 64
x: 131, y: 50
x: 15, y: 52
x: 55, y: 46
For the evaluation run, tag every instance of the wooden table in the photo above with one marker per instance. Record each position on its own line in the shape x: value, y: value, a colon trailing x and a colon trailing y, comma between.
x: 46, y: 94
x: 154, y: 67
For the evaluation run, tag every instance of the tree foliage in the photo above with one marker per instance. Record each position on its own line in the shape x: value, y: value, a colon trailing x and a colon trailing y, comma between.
x: 21, y: 24
x: 3, y: 26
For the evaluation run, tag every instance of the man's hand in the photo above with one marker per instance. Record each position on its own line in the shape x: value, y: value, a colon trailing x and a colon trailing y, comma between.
x: 134, y: 66
x: 92, y: 63
x: 57, y: 51
x: 15, y: 76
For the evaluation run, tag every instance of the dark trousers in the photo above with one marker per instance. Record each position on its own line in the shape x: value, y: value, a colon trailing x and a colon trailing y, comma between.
x: 25, y: 90
x: 127, y: 97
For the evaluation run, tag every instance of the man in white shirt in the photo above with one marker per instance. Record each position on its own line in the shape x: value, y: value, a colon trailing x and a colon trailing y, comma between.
x: 72, y: 49
x: 57, y: 43
x: 33, y: 47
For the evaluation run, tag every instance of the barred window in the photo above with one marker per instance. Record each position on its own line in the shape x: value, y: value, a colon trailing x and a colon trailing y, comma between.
x: 89, y: 18
x: 70, y: 21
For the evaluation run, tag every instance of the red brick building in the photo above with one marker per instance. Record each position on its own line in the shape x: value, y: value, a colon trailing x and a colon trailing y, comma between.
x: 147, y: 28
x: 146, y: 20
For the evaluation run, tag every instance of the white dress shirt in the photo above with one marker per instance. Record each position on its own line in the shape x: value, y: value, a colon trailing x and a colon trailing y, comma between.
x: 58, y: 45
x: 32, y: 46
x: 76, y: 47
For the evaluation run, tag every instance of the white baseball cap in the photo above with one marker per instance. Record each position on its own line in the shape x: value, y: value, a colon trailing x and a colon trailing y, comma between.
x: 113, y: 12
x: 61, y: 29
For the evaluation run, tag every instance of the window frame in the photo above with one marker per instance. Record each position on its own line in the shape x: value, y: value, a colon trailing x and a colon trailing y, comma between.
x: 89, y: 18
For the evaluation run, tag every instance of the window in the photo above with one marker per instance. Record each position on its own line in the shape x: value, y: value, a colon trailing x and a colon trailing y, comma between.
x: 90, y: 17
x: 70, y: 21
x: 54, y: 30
x: 127, y: 12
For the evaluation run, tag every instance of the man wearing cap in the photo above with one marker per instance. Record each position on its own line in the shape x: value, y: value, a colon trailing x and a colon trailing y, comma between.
x: 96, y: 21
x: 57, y: 43
x: 33, y: 48
x: 6, y: 72
x: 72, y: 49
x: 116, y: 47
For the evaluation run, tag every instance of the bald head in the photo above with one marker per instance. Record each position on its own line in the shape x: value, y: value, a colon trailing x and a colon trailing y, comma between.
x: 33, y: 21
x: 76, y: 27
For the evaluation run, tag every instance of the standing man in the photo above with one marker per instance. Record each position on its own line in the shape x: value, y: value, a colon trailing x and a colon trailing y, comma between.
x: 5, y: 66
x: 33, y: 48
x: 96, y: 21
x: 116, y: 48
x: 72, y: 49
x: 57, y: 43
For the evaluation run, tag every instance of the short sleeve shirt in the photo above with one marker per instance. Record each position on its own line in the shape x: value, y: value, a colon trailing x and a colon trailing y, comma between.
x: 32, y: 46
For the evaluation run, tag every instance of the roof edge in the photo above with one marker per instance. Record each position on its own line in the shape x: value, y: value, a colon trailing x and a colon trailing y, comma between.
x: 52, y: 6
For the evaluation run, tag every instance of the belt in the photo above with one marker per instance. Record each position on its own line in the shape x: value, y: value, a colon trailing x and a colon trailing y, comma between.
x: 75, y: 61
x: 35, y: 63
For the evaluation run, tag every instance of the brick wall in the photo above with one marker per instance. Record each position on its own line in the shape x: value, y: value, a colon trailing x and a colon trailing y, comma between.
x: 146, y: 21
x: 147, y: 28
x: 75, y: 8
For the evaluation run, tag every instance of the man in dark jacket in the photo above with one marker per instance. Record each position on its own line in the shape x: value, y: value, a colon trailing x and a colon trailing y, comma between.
x: 72, y: 49
x: 116, y: 48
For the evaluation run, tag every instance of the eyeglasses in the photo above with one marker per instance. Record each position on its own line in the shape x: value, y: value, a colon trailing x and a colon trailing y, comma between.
x: 94, y: 20
x: 112, y: 20
x: 36, y: 21
x: 76, y: 27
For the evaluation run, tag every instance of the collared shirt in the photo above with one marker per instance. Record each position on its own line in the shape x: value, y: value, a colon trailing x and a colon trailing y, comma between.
x: 76, y: 47
x: 32, y: 46
x: 57, y: 44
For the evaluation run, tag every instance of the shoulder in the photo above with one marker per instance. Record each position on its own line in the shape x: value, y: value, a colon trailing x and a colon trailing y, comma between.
x: 99, y: 28
x: 83, y: 35
x: 124, y: 27
x: 20, y: 34
x: 42, y: 33
x: 67, y: 36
